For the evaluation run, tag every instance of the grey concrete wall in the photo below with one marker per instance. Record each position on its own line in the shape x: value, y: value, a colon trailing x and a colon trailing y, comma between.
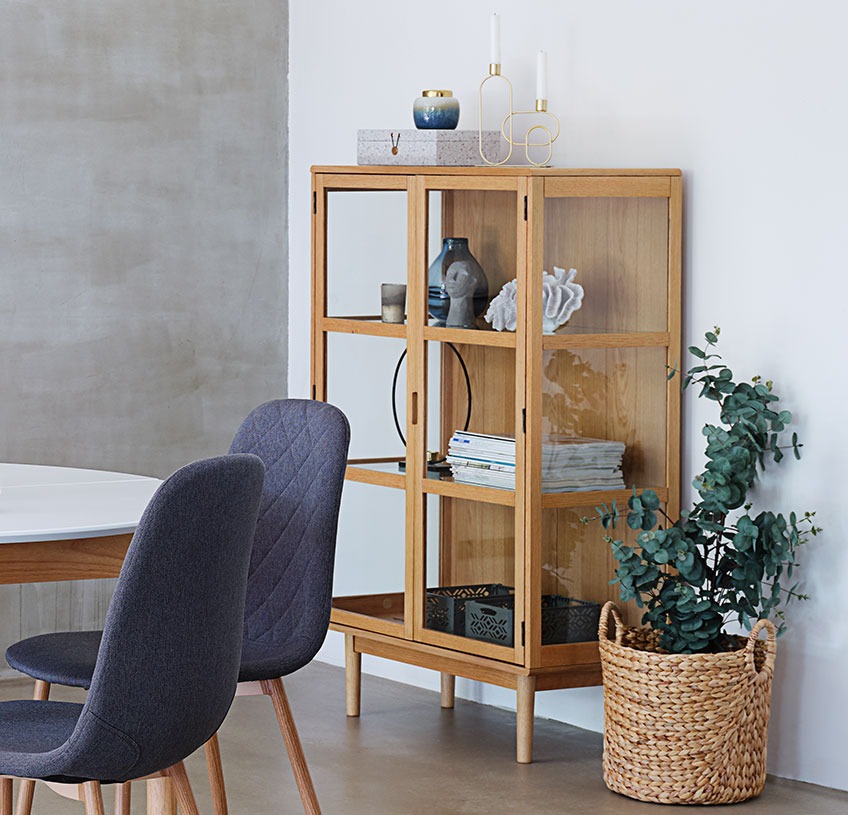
x: 143, y: 292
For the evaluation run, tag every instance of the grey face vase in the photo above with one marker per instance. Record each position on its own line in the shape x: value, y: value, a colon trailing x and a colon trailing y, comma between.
x: 438, y: 299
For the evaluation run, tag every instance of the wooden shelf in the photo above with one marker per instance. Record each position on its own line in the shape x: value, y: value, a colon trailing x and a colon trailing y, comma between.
x: 575, y: 338
x: 458, y: 336
x: 370, y: 326
x: 562, y: 500
x: 449, y: 488
x: 380, y: 472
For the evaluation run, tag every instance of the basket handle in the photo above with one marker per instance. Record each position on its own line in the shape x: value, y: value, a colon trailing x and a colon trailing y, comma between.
x: 610, y: 608
x: 771, y: 649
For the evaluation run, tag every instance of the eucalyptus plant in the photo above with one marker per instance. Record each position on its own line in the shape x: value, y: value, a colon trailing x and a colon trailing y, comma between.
x: 716, y: 562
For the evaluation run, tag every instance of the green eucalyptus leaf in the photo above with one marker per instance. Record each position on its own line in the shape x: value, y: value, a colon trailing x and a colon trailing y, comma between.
x: 650, y: 500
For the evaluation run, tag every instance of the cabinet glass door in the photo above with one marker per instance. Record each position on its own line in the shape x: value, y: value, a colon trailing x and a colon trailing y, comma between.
x: 470, y: 576
x: 603, y: 431
x: 600, y: 342
x: 617, y: 245
x: 472, y: 540
x: 358, y: 352
x: 366, y: 246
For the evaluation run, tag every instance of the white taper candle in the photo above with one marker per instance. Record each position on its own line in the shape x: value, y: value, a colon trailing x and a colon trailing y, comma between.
x: 495, y: 40
x: 542, y: 75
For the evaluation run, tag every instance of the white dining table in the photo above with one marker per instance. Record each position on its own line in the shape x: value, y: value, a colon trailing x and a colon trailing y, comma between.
x: 65, y: 523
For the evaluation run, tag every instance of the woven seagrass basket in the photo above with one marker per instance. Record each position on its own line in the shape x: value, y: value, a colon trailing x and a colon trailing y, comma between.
x: 684, y: 728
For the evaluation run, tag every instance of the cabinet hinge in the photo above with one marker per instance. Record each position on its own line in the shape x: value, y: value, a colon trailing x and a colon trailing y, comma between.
x: 522, y: 633
x: 523, y: 420
x: 525, y: 207
x: 315, y: 203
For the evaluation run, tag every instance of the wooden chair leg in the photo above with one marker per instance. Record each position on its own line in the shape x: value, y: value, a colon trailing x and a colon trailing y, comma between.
x: 353, y: 676
x: 5, y: 795
x: 274, y: 689
x: 122, y: 798
x: 185, y: 797
x: 26, y: 788
x: 216, y: 776
x: 160, y: 797
x: 92, y: 797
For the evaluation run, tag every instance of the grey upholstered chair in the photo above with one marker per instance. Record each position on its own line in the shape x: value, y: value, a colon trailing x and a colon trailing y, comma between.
x: 168, y: 662
x: 303, y: 445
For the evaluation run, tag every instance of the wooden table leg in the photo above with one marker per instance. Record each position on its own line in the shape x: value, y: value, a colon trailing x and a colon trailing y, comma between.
x: 353, y: 676
x: 524, y: 710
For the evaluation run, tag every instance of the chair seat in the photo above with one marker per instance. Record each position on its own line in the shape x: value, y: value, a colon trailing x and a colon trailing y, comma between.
x: 68, y: 658
x: 64, y: 658
x: 32, y: 729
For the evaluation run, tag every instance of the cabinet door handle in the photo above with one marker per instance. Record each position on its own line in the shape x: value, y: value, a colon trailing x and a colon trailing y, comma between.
x: 415, y: 407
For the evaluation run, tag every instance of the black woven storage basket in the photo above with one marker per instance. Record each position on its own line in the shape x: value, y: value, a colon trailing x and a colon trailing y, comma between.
x: 564, y: 619
x: 446, y: 604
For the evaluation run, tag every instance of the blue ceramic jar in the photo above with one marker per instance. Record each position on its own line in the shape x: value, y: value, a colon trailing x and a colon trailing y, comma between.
x: 436, y: 110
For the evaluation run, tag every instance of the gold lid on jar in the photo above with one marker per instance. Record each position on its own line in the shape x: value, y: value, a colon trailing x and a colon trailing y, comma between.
x: 437, y: 93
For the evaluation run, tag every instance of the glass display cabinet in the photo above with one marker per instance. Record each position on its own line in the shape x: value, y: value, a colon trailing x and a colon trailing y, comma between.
x: 475, y: 452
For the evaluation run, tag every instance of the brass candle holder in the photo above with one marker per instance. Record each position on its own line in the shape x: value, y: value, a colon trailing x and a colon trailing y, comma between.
x: 551, y: 134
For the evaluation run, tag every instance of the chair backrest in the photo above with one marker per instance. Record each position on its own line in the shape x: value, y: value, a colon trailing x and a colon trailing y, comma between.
x: 303, y: 444
x: 168, y: 663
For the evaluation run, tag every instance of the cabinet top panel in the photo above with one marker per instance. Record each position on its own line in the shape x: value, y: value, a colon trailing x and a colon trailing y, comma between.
x: 489, y: 171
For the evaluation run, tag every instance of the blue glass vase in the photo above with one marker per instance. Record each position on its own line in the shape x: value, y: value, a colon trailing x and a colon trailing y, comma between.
x: 438, y: 299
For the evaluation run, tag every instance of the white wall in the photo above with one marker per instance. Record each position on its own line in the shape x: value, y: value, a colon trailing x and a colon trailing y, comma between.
x: 746, y: 98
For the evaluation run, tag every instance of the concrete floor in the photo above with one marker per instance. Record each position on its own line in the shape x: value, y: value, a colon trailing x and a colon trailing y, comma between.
x: 406, y: 756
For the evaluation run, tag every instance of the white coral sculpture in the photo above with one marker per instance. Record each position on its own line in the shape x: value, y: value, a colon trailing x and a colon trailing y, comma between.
x: 561, y: 297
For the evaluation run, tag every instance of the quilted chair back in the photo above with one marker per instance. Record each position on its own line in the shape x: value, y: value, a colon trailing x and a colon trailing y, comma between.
x: 168, y: 663
x: 303, y: 444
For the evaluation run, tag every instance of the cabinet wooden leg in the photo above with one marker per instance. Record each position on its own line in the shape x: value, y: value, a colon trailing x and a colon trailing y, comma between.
x: 448, y: 690
x: 525, y: 700
x: 353, y: 676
